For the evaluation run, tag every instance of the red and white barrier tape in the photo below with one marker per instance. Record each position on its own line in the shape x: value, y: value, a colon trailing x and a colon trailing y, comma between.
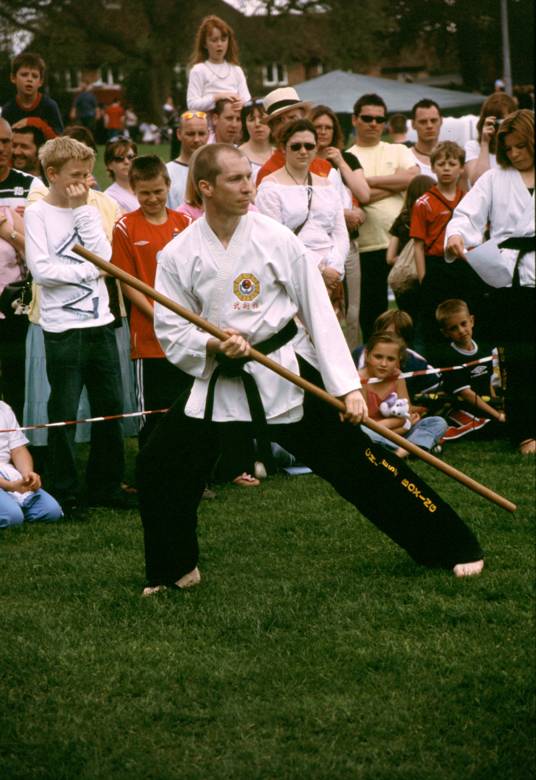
x: 405, y: 375
x: 37, y: 426
x: 424, y: 371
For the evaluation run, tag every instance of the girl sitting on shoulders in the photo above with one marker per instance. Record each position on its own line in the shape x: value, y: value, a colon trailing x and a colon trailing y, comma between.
x: 215, y: 74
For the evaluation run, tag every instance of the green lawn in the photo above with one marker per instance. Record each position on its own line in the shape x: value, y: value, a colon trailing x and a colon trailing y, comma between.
x: 314, y: 648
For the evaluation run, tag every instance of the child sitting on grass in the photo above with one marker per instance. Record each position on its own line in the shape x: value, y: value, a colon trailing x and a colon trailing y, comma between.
x: 466, y: 386
x: 400, y: 323
x: 383, y: 355
x: 21, y: 495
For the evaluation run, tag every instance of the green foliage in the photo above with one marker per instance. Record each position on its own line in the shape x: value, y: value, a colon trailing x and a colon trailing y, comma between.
x: 472, y: 29
x: 313, y: 648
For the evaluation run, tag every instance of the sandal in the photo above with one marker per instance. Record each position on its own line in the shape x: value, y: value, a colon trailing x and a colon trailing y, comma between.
x: 246, y: 480
x: 527, y: 447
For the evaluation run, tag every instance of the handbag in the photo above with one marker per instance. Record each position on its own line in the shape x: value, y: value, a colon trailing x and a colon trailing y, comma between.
x: 403, y: 275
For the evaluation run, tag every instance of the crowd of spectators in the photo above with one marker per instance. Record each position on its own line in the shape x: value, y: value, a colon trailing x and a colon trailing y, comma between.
x: 67, y: 331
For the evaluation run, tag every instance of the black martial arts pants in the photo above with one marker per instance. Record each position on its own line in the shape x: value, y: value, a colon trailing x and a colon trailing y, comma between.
x: 174, y: 465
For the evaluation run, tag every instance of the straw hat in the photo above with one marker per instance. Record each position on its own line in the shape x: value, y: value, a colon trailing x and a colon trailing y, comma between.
x: 280, y: 100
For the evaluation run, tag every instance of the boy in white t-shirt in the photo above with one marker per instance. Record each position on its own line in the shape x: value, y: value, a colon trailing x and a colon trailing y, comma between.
x: 21, y: 495
x: 78, y: 327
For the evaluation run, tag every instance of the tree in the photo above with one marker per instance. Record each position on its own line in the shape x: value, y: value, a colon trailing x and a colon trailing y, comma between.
x: 343, y: 36
x: 472, y: 29
x: 147, y: 35
x: 466, y: 30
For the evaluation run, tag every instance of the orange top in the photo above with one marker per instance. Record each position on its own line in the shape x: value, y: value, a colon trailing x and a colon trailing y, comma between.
x: 135, y: 244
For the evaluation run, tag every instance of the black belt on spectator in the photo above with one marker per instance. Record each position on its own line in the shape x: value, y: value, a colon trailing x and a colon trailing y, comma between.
x: 230, y: 367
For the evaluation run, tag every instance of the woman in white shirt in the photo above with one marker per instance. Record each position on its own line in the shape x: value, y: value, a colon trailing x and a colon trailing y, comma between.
x: 308, y: 204
x: 215, y: 74
x: 502, y: 201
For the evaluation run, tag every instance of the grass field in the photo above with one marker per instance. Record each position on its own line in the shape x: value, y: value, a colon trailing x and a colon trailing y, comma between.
x: 313, y: 648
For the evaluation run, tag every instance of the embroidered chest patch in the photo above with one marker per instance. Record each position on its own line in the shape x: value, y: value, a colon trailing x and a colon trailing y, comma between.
x: 246, y: 287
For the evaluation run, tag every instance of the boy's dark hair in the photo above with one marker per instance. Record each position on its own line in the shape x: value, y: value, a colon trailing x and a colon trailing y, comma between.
x: 82, y: 134
x: 447, y: 149
x: 299, y: 126
x: 381, y: 337
x: 145, y: 167
x: 371, y: 99
x: 424, y: 103
x: 38, y: 137
x: 28, y: 59
x: 219, y: 106
x: 448, y: 308
x: 398, y: 123
x: 399, y: 319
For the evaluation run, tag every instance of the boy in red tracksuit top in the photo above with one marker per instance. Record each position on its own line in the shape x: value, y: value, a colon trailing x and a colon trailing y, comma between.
x: 137, y: 238
x: 430, y: 216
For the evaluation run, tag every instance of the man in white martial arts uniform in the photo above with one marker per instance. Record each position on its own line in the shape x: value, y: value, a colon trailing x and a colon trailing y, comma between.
x: 251, y: 276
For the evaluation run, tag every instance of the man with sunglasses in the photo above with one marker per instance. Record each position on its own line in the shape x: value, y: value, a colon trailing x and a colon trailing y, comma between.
x: 192, y: 132
x: 389, y: 168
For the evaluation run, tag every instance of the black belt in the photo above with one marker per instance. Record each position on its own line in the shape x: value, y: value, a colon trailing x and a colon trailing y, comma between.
x: 524, y: 245
x: 230, y: 367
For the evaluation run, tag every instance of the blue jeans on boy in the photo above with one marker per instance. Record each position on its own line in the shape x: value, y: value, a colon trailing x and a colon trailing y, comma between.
x: 39, y: 506
x: 426, y: 433
x: 78, y: 357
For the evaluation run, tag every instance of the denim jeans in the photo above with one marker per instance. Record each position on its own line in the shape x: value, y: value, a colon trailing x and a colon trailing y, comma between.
x: 39, y: 506
x: 425, y: 433
x: 78, y: 357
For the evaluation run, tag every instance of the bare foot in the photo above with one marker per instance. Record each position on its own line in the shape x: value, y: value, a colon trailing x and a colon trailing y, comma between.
x: 468, y: 569
x: 189, y: 580
x: 150, y: 590
x: 246, y: 480
x: 528, y: 447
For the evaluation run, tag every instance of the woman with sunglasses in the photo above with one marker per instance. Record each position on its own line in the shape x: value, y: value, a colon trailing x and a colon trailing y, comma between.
x: 306, y: 203
x: 118, y: 156
x: 256, y: 135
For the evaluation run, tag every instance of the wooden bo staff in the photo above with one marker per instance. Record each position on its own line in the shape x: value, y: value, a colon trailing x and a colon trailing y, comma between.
x: 195, y: 319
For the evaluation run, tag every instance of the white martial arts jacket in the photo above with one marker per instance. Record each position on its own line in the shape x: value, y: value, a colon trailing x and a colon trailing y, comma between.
x: 257, y: 285
x: 500, y: 197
